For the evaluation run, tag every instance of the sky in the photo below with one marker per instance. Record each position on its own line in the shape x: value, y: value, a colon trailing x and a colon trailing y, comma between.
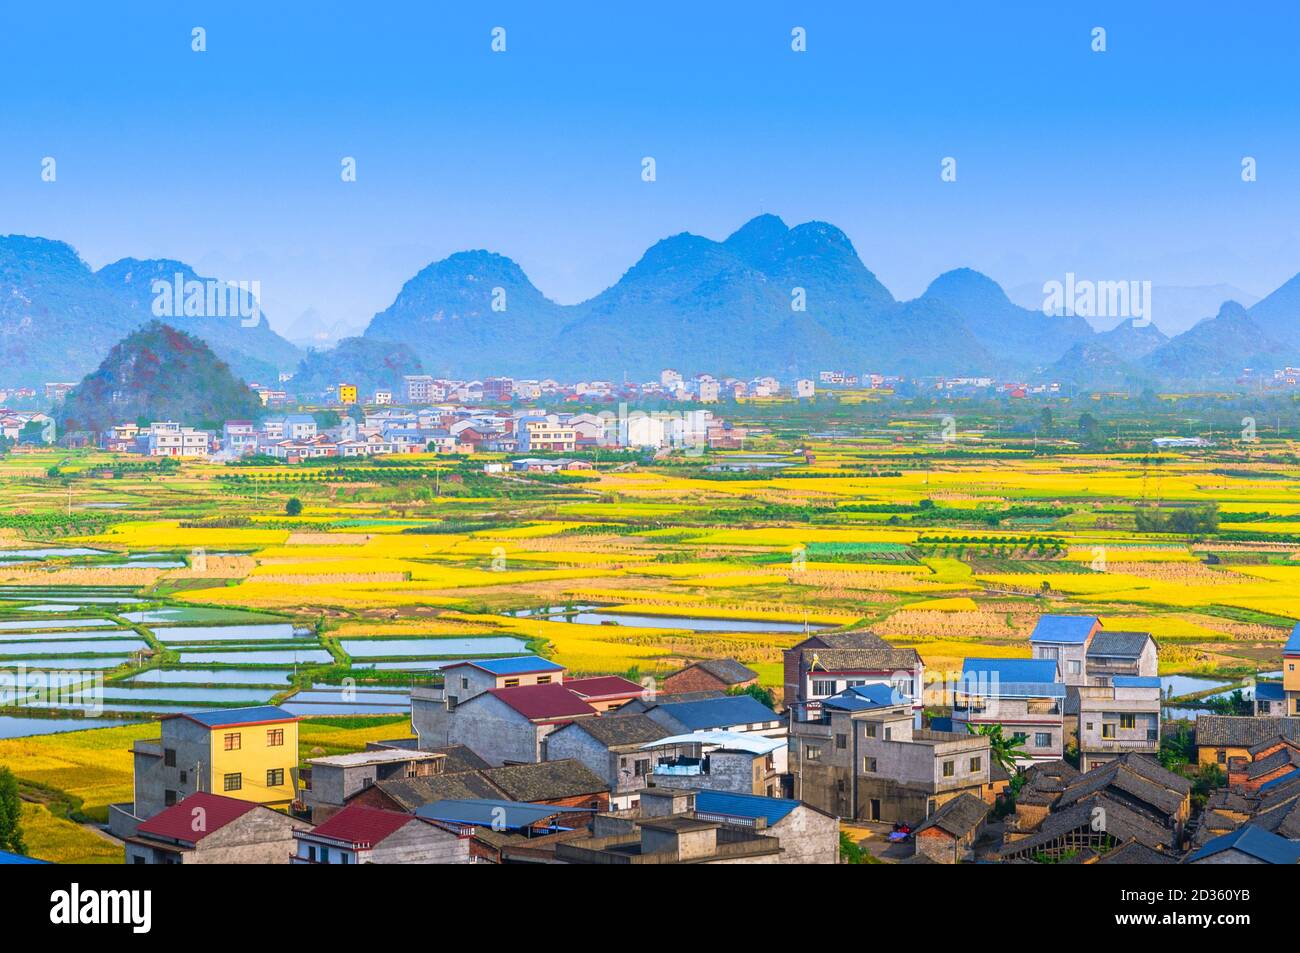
x: 1122, y: 164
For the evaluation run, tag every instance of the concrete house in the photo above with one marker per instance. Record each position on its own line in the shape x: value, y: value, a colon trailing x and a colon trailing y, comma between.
x: 212, y: 829
x: 1291, y: 672
x: 363, y: 835
x: 1116, y: 717
x: 336, y: 778
x: 501, y: 724
x: 1024, y: 696
x: 1064, y: 639
x: 720, y: 761
x: 824, y: 665
x: 1114, y: 654
x: 865, y: 759
x: 612, y: 748
x: 710, y: 674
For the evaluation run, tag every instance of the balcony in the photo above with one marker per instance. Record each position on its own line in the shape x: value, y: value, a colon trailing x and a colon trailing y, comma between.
x: 682, y: 767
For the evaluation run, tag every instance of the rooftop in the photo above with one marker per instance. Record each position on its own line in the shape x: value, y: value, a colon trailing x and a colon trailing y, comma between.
x: 541, y: 702
x: 748, y: 806
x: 360, y: 826
x: 178, y: 822
x: 1254, y: 842
x: 720, y: 712
x: 496, y: 814
x: 231, y: 717
x: 1065, y: 629
x: 519, y: 665
x: 356, y: 759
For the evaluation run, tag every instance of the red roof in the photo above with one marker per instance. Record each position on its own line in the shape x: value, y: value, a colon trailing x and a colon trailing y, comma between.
x: 180, y: 821
x: 363, y: 826
x: 603, y: 686
x: 543, y: 702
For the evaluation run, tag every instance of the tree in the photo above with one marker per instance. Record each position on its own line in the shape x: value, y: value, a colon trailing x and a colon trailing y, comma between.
x: 1002, y: 750
x: 11, y: 812
x: 293, y: 507
x: 757, y: 692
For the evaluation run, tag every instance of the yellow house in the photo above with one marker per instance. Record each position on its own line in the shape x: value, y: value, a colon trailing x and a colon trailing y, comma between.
x: 245, y: 753
x: 347, y: 393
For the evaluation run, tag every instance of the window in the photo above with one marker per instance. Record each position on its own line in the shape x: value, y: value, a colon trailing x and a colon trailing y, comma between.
x: 1042, y: 739
x: 823, y: 687
x: 812, y: 752
x: 869, y: 765
x: 949, y: 769
x: 543, y: 679
x: 464, y: 683
x: 1222, y: 756
x: 641, y: 768
x: 1128, y: 721
x: 512, y: 683
x: 841, y: 742
x: 169, y: 798
x: 169, y: 757
x: 1073, y: 668
x: 275, y: 778
x: 869, y: 731
x: 185, y: 777
x: 275, y: 737
x: 622, y: 763
x: 1108, y: 730
x: 889, y: 734
x: 233, y: 741
x: 1021, y: 737
x: 234, y: 782
x: 976, y: 764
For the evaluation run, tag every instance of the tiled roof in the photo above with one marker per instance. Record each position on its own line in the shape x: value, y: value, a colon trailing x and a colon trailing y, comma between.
x: 1243, y: 731
x: 542, y: 702
x: 1067, y: 629
x: 520, y: 665
x: 603, y: 686
x: 410, y: 793
x: 726, y: 670
x: 1283, y: 758
x: 719, y: 712
x: 749, y: 806
x: 1135, y: 852
x: 460, y: 758
x: 547, y: 780
x: 179, y: 821
x: 884, y: 659
x: 1254, y: 842
x: 494, y: 814
x: 362, y: 827
x: 1122, y: 823
x: 1138, y: 777
x: 959, y: 816
x: 614, y: 730
x: 231, y: 717
x: 1128, y: 645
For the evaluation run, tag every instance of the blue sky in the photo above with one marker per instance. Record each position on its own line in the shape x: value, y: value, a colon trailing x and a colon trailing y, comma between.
x: 1123, y: 164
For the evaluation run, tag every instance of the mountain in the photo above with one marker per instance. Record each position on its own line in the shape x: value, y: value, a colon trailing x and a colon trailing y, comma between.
x: 312, y: 329
x: 58, y: 318
x: 246, y: 343
x: 690, y: 303
x: 445, y: 314
x: 369, y: 363
x: 1131, y: 340
x: 1174, y: 308
x: 1092, y: 365
x: 1023, y: 339
x: 1219, y: 349
x: 1278, y: 314
x: 157, y: 373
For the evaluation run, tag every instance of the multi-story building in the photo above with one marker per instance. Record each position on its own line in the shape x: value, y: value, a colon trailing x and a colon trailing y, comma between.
x: 1117, y: 718
x: 1291, y: 672
x: 547, y: 436
x: 1064, y: 639
x: 238, y: 438
x: 824, y: 665
x: 169, y: 439
x: 419, y: 388
x: 250, y: 754
x: 1024, y: 696
x: 862, y: 758
x: 347, y: 394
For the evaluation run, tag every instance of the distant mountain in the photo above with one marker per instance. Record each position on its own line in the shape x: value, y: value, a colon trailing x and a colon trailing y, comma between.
x: 254, y: 351
x: 369, y: 363
x: 1132, y: 341
x: 1174, y: 308
x: 1278, y: 314
x: 690, y: 303
x: 1022, y: 339
x: 312, y: 329
x: 1219, y: 349
x: 58, y: 318
x: 157, y: 373
x: 1092, y: 365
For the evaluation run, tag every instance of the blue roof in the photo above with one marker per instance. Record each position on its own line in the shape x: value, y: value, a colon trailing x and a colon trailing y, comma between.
x: 221, y: 717
x: 750, y: 806
x: 1135, y: 681
x: 1256, y: 842
x: 1283, y: 779
x: 512, y: 666
x: 719, y: 712
x: 1269, y: 692
x: 510, y: 815
x: 1293, y: 643
x: 8, y: 858
x: 1068, y: 629
x: 865, y: 697
x: 1011, y: 677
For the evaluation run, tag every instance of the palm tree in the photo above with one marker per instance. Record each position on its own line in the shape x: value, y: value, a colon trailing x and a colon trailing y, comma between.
x: 1002, y: 750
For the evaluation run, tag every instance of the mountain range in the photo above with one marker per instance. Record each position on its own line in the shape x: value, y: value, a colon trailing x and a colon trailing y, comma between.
x: 769, y: 299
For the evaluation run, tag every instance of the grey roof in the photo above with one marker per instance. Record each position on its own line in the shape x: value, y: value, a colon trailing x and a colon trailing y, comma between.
x: 1244, y: 731
x: 1135, y: 852
x: 1122, y: 823
x: 1136, y: 777
x: 1127, y: 645
x: 546, y: 781
x: 618, y: 729
x: 495, y: 814
x: 461, y: 758
x: 958, y: 817
x: 726, y: 670
x: 411, y: 793
x: 1283, y: 759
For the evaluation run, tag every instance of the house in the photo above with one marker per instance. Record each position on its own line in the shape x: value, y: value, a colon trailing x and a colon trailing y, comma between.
x: 1114, y: 654
x: 1064, y: 639
x: 501, y: 724
x: 671, y: 827
x: 1290, y: 672
x: 716, y: 674
x: 1270, y: 698
x: 249, y: 754
x: 300, y: 427
x: 611, y: 748
x: 1118, y: 717
x: 214, y: 829
x: 824, y: 665
x: 863, y: 758
x: 1024, y: 696
x: 719, y: 760
x: 735, y: 713
x: 604, y: 692
x: 334, y: 779
x: 364, y: 835
x: 562, y: 782
x: 1220, y: 738
x: 1248, y: 845
x: 948, y: 835
x: 503, y: 831
x: 464, y: 680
